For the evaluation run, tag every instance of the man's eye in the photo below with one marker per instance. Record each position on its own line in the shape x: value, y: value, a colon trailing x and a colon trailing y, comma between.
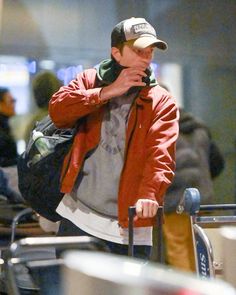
x: 138, y: 51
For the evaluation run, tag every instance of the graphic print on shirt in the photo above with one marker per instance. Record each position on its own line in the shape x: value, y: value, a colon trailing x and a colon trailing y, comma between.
x: 114, y: 125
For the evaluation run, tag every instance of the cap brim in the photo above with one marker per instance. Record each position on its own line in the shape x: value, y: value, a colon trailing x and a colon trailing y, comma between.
x: 145, y: 41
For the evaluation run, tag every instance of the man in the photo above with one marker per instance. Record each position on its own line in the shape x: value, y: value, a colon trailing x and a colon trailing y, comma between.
x: 8, y: 150
x: 124, y: 151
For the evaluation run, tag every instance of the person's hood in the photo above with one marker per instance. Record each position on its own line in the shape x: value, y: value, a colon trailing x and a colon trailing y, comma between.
x: 108, y: 71
x: 188, y: 123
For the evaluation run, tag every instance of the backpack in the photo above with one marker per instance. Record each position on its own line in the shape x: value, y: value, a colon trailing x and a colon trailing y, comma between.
x: 39, y: 173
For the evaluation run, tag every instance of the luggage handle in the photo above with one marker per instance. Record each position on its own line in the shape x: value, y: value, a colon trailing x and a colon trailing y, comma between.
x: 159, y: 218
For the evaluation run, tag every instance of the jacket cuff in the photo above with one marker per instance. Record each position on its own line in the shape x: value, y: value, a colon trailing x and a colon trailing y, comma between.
x: 93, y: 97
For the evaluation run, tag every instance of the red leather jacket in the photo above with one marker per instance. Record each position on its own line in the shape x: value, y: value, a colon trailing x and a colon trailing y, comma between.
x: 150, y: 139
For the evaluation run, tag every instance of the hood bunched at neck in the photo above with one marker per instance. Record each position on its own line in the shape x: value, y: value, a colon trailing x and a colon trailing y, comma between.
x: 108, y: 71
x: 188, y: 123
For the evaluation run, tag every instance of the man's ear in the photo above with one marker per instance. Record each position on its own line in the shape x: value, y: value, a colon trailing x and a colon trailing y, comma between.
x: 115, y: 52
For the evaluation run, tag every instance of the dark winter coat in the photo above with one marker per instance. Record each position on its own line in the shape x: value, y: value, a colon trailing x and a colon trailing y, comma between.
x: 8, y: 151
x: 198, y: 161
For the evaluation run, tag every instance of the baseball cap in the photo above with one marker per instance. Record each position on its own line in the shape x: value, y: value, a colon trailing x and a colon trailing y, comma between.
x: 139, y: 30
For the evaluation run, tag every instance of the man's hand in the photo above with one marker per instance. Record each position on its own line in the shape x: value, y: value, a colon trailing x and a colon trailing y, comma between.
x: 146, y: 208
x: 128, y: 78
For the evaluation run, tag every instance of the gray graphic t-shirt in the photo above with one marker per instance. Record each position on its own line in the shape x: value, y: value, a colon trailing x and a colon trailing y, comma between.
x: 97, y: 187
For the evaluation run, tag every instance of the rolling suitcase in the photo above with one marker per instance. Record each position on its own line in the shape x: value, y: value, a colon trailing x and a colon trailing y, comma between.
x: 159, y: 219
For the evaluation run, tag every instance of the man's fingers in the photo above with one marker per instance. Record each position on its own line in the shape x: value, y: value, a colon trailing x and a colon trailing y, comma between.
x: 134, y: 71
x: 132, y: 75
x: 139, y: 209
x: 146, y: 208
x: 154, y: 209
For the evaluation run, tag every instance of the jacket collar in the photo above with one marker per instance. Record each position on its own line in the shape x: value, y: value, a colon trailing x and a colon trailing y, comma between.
x: 145, y: 95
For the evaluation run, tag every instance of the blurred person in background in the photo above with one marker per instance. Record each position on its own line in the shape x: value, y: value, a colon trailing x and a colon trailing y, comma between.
x: 198, y: 162
x: 8, y: 149
x: 44, y: 85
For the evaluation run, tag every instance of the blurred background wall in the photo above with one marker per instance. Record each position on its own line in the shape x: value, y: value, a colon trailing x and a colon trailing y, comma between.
x: 66, y: 36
